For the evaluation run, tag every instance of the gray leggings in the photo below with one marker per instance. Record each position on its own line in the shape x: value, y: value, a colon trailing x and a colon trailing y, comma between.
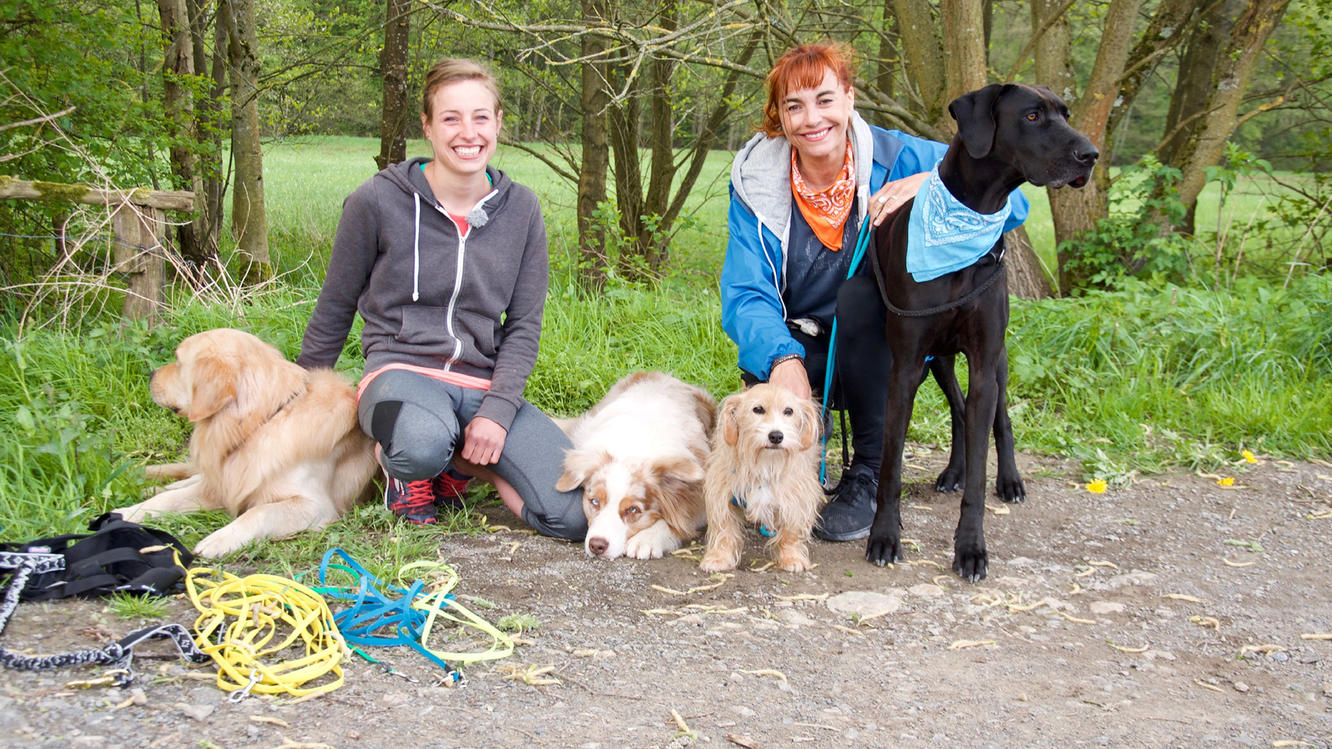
x: 418, y: 423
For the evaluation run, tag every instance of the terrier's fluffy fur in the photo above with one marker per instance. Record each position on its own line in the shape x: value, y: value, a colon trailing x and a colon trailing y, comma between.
x: 765, y: 453
x: 638, y: 454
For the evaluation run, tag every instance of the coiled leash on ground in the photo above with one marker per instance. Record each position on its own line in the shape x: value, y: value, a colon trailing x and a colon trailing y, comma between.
x: 411, y: 615
x: 247, y: 625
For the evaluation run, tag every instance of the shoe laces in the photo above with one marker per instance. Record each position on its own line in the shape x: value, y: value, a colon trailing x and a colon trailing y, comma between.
x: 414, y: 495
x: 862, y: 484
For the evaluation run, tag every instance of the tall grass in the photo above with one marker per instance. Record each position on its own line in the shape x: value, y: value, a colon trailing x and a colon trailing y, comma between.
x: 1136, y: 380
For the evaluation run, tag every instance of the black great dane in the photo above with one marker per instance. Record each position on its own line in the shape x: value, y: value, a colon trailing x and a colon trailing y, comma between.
x: 1007, y: 134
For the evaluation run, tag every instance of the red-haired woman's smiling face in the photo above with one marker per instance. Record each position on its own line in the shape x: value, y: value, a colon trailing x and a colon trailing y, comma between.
x: 815, y: 120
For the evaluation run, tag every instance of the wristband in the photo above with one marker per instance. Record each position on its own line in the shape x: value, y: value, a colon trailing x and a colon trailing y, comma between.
x: 785, y: 358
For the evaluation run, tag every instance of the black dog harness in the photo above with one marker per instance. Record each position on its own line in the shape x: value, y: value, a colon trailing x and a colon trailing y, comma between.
x: 117, y: 556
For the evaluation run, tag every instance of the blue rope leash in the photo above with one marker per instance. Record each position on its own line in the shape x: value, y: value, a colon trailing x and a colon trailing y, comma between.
x: 372, y: 611
x: 862, y: 242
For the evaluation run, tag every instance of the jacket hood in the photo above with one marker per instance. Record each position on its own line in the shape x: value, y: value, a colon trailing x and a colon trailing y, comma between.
x: 761, y: 177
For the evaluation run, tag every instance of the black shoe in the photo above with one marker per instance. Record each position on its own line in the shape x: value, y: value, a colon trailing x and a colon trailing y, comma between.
x: 848, y: 516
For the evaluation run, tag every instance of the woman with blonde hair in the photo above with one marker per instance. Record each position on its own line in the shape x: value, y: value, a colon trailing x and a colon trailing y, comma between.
x: 445, y: 259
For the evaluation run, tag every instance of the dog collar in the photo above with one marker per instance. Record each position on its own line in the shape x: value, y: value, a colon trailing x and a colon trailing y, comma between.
x: 944, y: 236
x: 305, y: 386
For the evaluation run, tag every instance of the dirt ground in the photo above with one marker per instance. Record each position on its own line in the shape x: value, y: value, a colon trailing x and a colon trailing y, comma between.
x: 1173, y: 612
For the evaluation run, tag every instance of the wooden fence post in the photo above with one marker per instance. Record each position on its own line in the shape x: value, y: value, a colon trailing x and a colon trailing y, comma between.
x: 139, y: 231
x: 138, y: 226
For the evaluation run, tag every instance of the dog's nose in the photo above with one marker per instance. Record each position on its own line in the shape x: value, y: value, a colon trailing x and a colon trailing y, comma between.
x: 1086, y: 154
x: 776, y: 436
x: 597, y: 545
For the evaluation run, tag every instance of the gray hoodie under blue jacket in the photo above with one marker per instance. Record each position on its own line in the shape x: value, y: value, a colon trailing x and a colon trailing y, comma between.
x: 430, y: 297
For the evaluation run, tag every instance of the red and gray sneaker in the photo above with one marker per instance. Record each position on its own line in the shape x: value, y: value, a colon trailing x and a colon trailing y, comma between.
x: 450, y: 488
x: 413, y: 500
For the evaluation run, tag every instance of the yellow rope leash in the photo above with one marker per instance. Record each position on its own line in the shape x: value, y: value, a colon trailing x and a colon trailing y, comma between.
x: 438, y: 603
x: 249, y: 624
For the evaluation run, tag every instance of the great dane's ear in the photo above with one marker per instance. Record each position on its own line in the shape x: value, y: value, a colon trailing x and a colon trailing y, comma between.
x: 974, y: 113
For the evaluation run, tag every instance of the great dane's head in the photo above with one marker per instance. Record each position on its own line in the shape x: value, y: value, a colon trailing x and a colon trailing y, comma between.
x: 1025, y: 127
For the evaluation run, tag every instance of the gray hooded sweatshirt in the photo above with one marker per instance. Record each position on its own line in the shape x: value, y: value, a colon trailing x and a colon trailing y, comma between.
x: 430, y: 297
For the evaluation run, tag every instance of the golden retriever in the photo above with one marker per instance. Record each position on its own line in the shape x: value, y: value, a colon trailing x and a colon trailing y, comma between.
x: 275, y: 446
x: 763, y: 466
x: 638, y: 454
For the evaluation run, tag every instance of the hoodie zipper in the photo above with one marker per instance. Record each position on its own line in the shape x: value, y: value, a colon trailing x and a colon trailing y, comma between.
x: 458, y: 277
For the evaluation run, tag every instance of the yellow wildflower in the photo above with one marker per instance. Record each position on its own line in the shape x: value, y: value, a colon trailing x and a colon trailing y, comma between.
x: 1248, y: 456
x: 1097, y: 486
x: 1226, y: 481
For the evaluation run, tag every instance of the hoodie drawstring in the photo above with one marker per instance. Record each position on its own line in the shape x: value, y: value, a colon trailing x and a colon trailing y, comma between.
x: 416, y: 251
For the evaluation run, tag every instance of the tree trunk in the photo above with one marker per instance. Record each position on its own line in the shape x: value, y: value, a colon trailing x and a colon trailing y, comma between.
x: 395, y: 117
x: 1205, y: 110
x: 1076, y: 211
x: 966, y: 63
x: 595, y: 156
x: 178, y: 103
x: 923, y: 60
x: 208, y: 113
x: 1165, y: 31
x: 1054, y: 49
x: 624, y: 131
x: 652, y: 239
x: 249, y: 222
x: 1026, y: 277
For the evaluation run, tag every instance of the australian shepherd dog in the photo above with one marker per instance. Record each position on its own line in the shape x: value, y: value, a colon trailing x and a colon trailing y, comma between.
x: 639, y: 456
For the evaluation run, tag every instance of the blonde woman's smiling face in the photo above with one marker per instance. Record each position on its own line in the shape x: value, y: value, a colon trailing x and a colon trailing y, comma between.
x: 463, y: 127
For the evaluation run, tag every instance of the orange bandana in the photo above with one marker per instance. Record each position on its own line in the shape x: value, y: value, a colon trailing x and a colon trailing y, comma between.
x: 826, y: 210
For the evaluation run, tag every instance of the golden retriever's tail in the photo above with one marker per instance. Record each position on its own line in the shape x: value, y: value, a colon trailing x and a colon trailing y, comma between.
x: 171, y: 471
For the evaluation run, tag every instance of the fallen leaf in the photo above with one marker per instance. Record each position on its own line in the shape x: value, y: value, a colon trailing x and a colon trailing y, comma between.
x: 744, y: 741
x: 1205, y: 685
x: 1229, y: 563
x: 1126, y: 649
x: 766, y: 672
x: 1182, y: 597
x: 270, y: 720
x: 963, y: 644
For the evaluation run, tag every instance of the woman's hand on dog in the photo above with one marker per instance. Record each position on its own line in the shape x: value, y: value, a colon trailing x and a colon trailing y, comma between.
x: 891, y: 196
x: 791, y: 375
x: 483, y: 441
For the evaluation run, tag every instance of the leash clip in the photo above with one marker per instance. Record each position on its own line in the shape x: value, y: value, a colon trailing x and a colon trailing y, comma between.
x: 241, y: 694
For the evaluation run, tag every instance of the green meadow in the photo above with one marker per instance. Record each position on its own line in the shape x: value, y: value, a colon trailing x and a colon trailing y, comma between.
x: 1140, y: 380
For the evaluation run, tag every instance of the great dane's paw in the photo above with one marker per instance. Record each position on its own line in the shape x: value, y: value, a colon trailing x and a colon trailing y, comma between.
x: 951, y: 479
x: 970, y: 564
x: 884, y: 549
x: 1010, y: 489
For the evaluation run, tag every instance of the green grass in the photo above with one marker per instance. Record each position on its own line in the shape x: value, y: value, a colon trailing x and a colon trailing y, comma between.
x: 1137, y: 380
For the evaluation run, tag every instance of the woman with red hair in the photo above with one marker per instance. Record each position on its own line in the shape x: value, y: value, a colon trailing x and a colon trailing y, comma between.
x: 800, y: 189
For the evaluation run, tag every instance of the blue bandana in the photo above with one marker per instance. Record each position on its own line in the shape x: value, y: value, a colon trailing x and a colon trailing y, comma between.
x: 945, y: 236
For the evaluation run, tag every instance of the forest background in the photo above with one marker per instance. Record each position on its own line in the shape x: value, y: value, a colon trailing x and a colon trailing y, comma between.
x: 1176, y: 312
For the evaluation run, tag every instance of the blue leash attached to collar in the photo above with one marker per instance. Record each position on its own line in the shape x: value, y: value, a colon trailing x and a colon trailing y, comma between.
x: 862, y: 242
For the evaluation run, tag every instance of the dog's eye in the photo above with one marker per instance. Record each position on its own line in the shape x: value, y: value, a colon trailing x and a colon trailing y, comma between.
x: 788, y: 411
x: 633, y: 510
x: 758, y: 409
x: 594, y: 501
x: 1033, y: 116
